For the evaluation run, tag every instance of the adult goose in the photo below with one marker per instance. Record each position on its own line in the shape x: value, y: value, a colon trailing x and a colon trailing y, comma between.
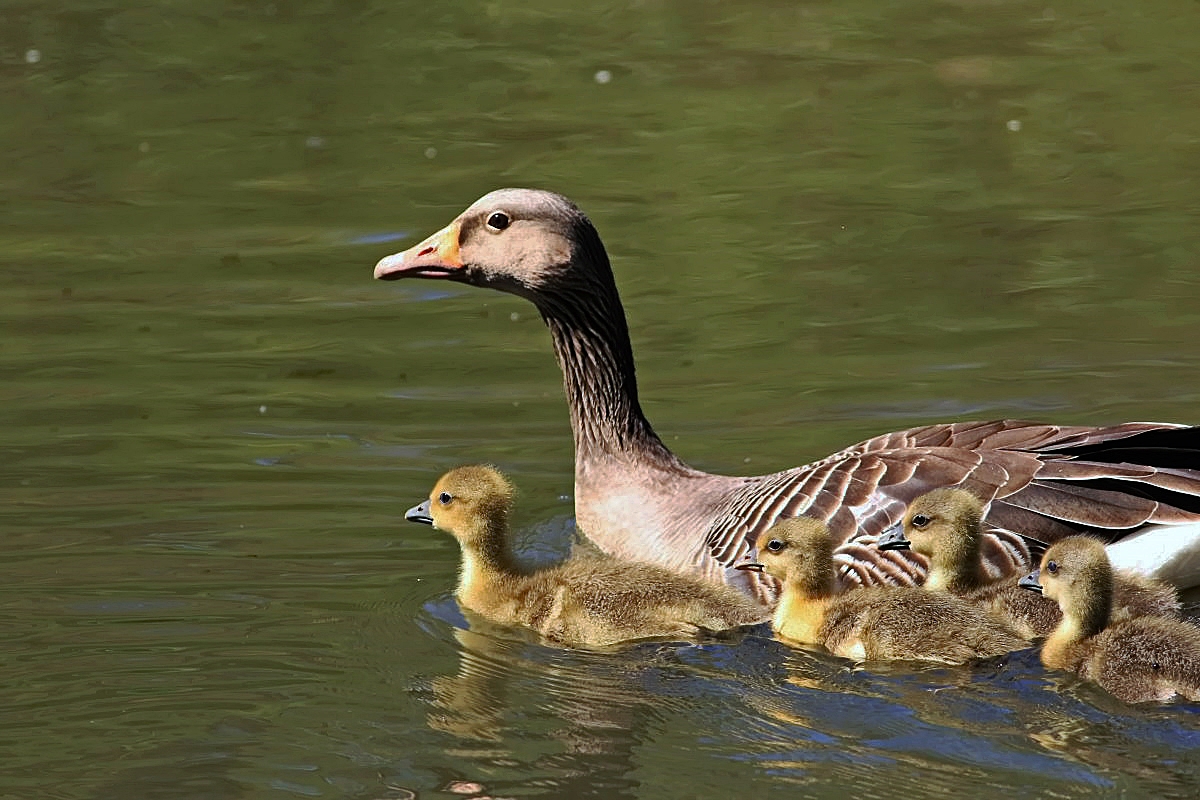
x: 1137, y: 484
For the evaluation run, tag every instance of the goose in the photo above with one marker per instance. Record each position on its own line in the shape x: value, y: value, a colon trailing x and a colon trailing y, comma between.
x: 945, y: 526
x: 1139, y: 660
x: 869, y: 623
x: 585, y: 601
x: 1135, y: 484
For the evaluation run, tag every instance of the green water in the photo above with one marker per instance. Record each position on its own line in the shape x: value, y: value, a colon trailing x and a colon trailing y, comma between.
x: 827, y: 220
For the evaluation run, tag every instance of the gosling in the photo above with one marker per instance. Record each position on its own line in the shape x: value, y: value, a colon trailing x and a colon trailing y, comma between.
x: 586, y: 601
x: 945, y: 526
x: 1140, y: 660
x: 872, y: 623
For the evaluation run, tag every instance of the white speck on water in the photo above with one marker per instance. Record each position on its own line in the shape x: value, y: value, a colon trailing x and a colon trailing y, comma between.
x: 314, y: 142
x: 144, y: 147
x: 746, y: 460
x: 431, y: 152
x: 1014, y: 125
x: 514, y: 316
x: 603, y: 76
x: 464, y: 787
x: 33, y: 56
x: 262, y: 409
x: 564, y: 498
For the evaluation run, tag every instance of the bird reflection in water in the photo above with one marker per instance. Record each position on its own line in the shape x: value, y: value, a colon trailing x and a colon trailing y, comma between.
x: 571, y: 718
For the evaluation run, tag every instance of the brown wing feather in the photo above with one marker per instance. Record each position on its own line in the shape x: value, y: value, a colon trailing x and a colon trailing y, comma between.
x: 1040, y: 481
x: 1085, y: 506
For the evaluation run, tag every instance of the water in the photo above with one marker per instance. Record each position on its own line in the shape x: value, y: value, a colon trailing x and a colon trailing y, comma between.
x: 827, y: 221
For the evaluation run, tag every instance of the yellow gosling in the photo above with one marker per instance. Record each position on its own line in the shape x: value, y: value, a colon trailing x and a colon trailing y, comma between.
x: 945, y: 526
x: 873, y: 623
x: 1139, y: 660
x: 586, y: 601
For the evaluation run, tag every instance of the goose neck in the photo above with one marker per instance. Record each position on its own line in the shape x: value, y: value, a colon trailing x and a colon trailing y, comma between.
x: 591, y: 342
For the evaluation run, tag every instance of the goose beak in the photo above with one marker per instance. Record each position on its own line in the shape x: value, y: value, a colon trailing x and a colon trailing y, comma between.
x: 893, y: 539
x: 419, y: 514
x: 436, y: 257
x: 1031, y: 581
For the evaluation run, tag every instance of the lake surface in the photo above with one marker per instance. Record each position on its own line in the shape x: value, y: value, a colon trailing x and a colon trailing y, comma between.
x: 827, y: 220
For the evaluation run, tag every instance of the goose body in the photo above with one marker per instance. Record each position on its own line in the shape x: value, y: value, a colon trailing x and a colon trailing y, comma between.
x: 1140, y: 659
x: 586, y: 601
x: 869, y: 623
x: 1136, y: 484
x: 945, y: 526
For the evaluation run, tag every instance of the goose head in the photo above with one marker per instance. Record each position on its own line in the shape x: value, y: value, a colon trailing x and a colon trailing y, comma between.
x: 523, y: 241
x: 799, y: 552
x: 471, y: 503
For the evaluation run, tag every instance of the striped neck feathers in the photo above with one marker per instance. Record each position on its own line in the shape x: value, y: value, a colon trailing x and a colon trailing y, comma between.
x: 591, y: 341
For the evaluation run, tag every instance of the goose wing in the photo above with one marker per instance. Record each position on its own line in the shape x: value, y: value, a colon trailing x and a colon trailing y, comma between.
x: 1039, y: 483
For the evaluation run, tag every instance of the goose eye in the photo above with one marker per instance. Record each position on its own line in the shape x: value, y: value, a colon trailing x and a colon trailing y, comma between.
x: 774, y: 545
x: 1052, y: 567
x: 498, y: 221
x: 920, y: 521
x: 444, y: 498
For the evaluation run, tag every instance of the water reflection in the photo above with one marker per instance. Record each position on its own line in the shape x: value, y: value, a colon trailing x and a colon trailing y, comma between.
x: 579, y: 722
x: 589, y: 712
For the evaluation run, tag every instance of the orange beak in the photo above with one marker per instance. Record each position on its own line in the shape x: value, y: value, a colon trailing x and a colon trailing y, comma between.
x: 436, y: 257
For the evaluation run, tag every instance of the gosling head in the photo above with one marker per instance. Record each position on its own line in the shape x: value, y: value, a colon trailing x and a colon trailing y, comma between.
x: 471, y: 503
x: 1075, y: 573
x: 944, y: 526
x: 799, y: 552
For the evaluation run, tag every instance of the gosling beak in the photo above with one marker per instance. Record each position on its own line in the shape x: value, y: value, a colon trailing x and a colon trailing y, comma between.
x: 436, y: 257
x: 752, y: 567
x: 419, y: 514
x: 893, y: 539
x: 1030, y: 581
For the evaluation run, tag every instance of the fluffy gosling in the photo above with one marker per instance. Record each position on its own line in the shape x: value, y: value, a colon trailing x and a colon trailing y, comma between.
x: 1139, y: 660
x: 871, y: 623
x: 586, y: 601
x: 946, y: 526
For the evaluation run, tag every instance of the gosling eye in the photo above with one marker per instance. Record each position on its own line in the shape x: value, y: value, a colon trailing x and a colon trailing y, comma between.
x: 774, y: 545
x: 919, y: 520
x: 498, y: 221
x: 1052, y: 567
x: 444, y: 498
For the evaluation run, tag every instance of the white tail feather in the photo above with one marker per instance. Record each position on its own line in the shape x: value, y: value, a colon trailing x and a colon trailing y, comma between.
x: 1167, y: 552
